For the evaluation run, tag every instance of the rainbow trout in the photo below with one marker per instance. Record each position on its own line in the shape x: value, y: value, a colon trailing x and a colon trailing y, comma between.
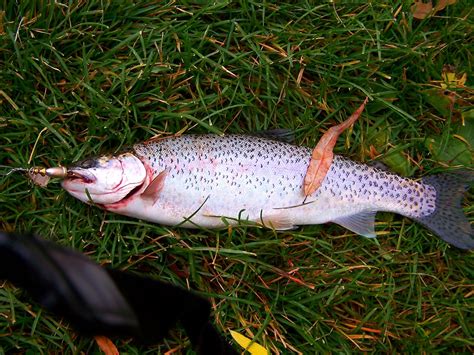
x: 212, y: 181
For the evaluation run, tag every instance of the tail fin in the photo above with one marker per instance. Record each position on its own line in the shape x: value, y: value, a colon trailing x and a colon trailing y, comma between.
x: 448, y: 220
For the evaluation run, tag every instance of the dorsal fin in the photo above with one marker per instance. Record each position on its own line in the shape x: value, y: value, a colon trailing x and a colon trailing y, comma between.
x: 379, y: 165
x: 278, y: 134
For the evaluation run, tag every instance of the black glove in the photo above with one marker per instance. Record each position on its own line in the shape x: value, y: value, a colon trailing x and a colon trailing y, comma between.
x: 99, y: 301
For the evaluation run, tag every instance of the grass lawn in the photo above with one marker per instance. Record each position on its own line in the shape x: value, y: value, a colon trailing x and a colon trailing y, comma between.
x: 79, y: 78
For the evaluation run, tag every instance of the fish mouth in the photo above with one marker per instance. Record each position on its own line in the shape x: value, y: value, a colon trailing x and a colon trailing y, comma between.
x: 82, y: 176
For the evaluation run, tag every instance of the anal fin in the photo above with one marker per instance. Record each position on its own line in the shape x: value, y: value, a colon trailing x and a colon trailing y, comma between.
x: 362, y: 223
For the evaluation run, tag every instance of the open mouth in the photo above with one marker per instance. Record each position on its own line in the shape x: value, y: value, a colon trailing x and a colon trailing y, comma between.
x: 83, y: 177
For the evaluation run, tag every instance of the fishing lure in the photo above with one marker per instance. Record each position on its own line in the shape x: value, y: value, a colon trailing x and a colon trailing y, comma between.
x: 40, y: 175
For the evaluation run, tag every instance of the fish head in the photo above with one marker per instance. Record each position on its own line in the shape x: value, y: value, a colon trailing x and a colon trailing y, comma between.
x: 106, y: 179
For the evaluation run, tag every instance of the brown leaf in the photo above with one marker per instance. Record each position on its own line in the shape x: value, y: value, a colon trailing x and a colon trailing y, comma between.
x: 106, y: 345
x: 373, y: 152
x: 441, y: 4
x: 323, y: 155
x: 421, y: 10
x: 2, y: 16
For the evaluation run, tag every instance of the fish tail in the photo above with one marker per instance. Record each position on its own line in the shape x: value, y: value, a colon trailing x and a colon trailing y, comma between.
x: 448, y: 220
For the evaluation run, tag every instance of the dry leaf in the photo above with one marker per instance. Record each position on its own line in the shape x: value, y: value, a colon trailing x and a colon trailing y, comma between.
x: 106, y: 345
x: 452, y: 80
x: 421, y: 10
x: 323, y: 154
x: 2, y: 16
x: 441, y: 4
x: 246, y: 343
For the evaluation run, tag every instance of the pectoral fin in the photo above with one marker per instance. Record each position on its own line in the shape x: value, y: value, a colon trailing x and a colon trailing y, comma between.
x: 152, y: 192
x: 361, y: 223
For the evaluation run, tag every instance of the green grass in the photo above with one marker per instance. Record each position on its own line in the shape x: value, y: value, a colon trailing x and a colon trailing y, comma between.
x: 79, y: 78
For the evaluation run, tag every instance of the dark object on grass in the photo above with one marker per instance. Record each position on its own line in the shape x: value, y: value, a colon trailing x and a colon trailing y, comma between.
x: 99, y: 301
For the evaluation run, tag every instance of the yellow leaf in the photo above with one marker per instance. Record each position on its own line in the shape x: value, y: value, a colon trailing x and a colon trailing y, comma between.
x: 246, y: 343
x: 451, y: 79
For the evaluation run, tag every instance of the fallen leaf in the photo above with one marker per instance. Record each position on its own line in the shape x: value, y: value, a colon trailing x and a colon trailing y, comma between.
x: 442, y: 100
x: 323, y: 154
x: 441, y: 4
x: 457, y: 149
x: 106, y: 345
x: 2, y: 16
x: 442, y: 96
x: 453, y: 80
x: 373, y: 152
x: 421, y: 10
x: 397, y: 161
x: 246, y: 343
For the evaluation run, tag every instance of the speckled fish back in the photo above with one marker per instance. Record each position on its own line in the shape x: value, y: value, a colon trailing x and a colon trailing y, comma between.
x: 355, y: 182
x: 239, y: 172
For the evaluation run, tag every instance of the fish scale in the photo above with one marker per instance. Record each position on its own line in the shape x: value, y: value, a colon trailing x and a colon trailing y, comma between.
x: 263, y: 176
x: 212, y: 181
